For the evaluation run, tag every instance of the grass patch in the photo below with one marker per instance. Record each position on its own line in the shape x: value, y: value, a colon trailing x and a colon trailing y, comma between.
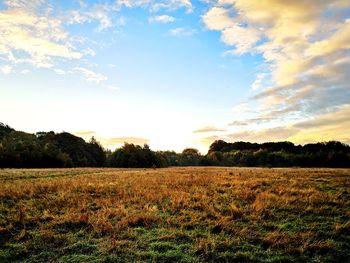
x: 188, y: 214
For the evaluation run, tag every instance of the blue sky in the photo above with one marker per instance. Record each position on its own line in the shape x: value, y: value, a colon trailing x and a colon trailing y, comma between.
x: 178, y: 73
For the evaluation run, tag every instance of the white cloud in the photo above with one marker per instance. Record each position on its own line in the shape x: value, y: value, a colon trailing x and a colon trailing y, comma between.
x: 181, y: 32
x: 6, y: 69
x: 24, y: 4
x: 218, y: 18
x: 59, y: 71
x: 156, y: 5
x: 164, y: 19
x: 89, y: 51
x: 209, y: 129
x: 101, y: 13
x: 90, y: 75
x: 113, y: 88
x: 258, y: 83
x: 244, y: 39
x: 305, y: 46
x: 232, y: 32
x: 241, y: 108
x: 24, y: 71
x: 40, y: 38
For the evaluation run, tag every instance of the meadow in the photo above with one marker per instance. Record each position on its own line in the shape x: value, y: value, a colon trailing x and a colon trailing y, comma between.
x: 183, y: 214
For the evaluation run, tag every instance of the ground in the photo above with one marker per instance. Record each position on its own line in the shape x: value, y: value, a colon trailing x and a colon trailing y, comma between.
x: 194, y: 214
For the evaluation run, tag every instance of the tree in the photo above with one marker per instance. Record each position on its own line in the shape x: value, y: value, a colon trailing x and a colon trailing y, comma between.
x: 130, y: 155
x: 190, y: 157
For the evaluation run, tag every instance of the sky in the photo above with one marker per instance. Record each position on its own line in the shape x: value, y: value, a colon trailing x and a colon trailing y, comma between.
x: 177, y: 73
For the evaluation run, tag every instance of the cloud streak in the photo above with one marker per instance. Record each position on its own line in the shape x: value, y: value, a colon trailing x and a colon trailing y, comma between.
x: 181, y: 32
x: 156, y: 5
x: 90, y: 75
x: 209, y: 129
x: 163, y: 19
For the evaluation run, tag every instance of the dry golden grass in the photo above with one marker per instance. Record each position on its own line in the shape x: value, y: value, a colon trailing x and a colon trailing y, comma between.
x: 175, y: 215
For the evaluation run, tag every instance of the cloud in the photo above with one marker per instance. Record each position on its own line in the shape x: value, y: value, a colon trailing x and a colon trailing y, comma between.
x: 241, y: 108
x: 24, y: 71
x: 259, y: 81
x: 259, y: 136
x: 6, y: 69
x: 100, y: 13
x: 24, y: 4
x: 340, y: 40
x: 232, y: 33
x: 263, y: 135
x: 251, y: 121
x: 334, y: 125
x: 181, y: 32
x: 262, y: 118
x: 164, y: 19
x: 209, y: 129
x: 243, y: 38
x: 337, y: 117
x: 218, y: 18
x: 305, y: 48
x: 59, y: 71
x: 114, y: 88
x: 27, y: 37
x: 156, y: 5
x: 90, y: 75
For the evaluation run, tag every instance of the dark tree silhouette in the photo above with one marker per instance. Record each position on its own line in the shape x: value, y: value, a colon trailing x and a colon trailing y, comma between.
x: 50, y: 149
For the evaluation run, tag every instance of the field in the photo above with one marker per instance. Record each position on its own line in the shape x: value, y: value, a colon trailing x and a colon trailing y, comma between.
x: 175, y: 215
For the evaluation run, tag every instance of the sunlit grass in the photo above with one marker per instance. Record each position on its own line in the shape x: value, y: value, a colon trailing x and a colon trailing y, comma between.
x: 175, y: 215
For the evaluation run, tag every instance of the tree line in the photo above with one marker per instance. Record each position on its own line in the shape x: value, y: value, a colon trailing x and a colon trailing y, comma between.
x: 280, y: 154
x: 49, y: 149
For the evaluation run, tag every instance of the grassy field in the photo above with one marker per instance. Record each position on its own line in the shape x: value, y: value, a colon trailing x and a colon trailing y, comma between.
x: 175, y: 215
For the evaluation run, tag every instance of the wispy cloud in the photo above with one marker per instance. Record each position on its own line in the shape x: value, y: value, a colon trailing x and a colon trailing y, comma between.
x: 100, y: 13
x: 164, y: 19
x: 264, y: 135
x: 181, y: 32
x: 242, y: 108
x: 112, y: 87
x: 208, y: 129
x: 90, y: 75
x: 6, y: 69
x: 24, y: 4
x: 156, y: 5
x: 59, y: 71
